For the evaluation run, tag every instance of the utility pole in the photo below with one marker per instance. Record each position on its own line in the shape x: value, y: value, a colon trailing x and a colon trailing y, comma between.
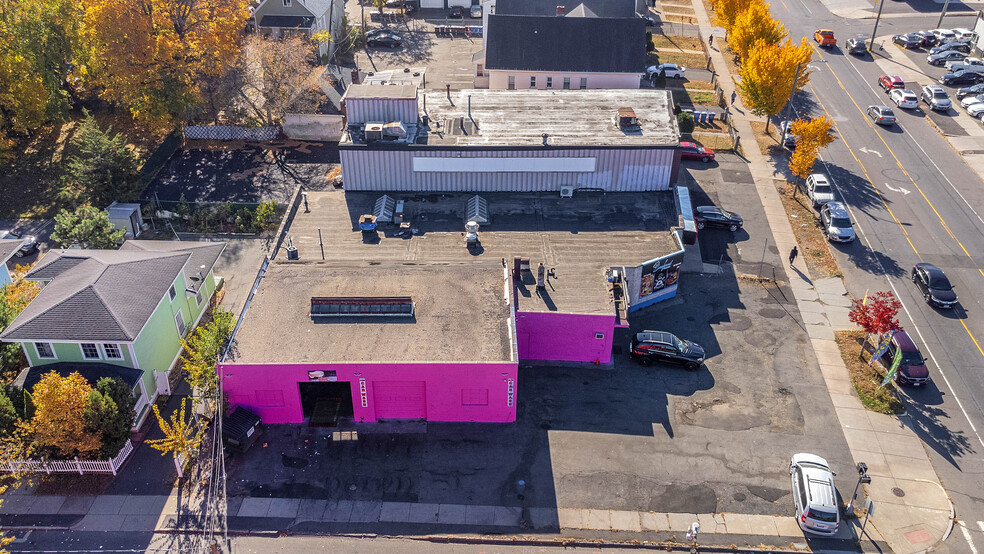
x: 881, y: 4
x: 942, y: 13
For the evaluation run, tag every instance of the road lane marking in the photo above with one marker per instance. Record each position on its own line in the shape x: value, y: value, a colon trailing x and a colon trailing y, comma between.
x: 866, y: 150
x: 981, y: 525
x: 903, y: 190
x: 970, y: 541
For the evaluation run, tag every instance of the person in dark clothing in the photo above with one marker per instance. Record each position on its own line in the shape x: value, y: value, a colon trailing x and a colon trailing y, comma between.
x: 792, y: 255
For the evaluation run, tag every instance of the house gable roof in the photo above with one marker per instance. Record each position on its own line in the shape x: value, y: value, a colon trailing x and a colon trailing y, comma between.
x: 548, y: 8
x: 92, y: 372
x: 8, y: 247
x: 572, y: 44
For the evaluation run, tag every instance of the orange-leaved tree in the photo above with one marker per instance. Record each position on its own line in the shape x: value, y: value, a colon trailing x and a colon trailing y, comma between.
x: 768, y: 73
x: 58, y: 428
x: 812, y: 135
x: 152, y: 56
x: 13, y: 299
x: 752, y: 25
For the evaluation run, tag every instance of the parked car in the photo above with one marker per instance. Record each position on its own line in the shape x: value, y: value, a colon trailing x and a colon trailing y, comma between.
x: 964, y: 34
x: 389, y: 40
x: 28, y: 247
x: 691, y: 151
x: 944, y: 56
x: 928, y: 39
x: 970, y: 100
x: 857, y: 46
x: 889, y: 82
x: 659, y: 346
x: 944, y: 36
x: 814, y: 494
x: 669, y: 70
x: 378, y: 32
x: 904, y: 98
x: 961, y: 47
x: 974, y: 105
x: 836, y: 222
x: 972, y: 90
x: 908, y: 40
x: 825, y: 38
x: 912, y: 367
x: 966, y: 63
x: 936, y: 97
x: 934, y: 286
x: 475, y: 12
x: 882, y: 115
x: 961, y: 77
x: 788, y: 138
x: 819, y: 190
x: 456, y: 12
x: 712, y: 216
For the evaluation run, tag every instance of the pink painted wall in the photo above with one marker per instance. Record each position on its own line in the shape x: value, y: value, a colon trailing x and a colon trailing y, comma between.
x: 564, y: 337
x: 271, y: 390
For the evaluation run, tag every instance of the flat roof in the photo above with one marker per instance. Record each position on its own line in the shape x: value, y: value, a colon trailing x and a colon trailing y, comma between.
x: 461, y: 314
x: 402, y: 92
x: 415, y: 77
x: 578, y: 237
x: 567, y: 117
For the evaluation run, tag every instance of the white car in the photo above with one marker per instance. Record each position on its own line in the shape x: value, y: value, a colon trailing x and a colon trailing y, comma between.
x: 971, y: 100
x: 814, y: 494
x: 670, y: 70
x: 975, y: 110
x: 904, y: 98
x: 944, y: 36
x: 964, y: 34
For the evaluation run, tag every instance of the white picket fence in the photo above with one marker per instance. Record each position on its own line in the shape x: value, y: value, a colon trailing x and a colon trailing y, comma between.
x: 71, y: 466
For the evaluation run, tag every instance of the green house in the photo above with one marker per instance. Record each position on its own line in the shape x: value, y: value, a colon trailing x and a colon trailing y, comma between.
x: 126, y: 307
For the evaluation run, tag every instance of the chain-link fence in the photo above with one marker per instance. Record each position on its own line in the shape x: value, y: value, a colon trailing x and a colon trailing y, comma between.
x: 230, y: 132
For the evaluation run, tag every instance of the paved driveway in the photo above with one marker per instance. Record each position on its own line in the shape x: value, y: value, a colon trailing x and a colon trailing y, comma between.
x: 238, y: 265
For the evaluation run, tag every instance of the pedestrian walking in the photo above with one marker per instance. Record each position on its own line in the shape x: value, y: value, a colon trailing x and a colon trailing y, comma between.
x: 792, y: 255
x: 734, y: 96
x: 710, y: 41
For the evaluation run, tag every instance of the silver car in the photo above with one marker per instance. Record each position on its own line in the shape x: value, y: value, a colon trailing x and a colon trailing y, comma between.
x: 882, y: 115
x: 814, y: 494
x: 936, y: 97
x: 837, y: 226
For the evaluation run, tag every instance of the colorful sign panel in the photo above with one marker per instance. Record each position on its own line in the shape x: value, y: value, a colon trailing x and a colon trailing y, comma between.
x: 882, y: 347
x: 659, y: 274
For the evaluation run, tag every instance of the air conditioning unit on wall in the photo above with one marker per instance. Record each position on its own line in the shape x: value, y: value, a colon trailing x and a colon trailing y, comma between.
x: 566, y: 191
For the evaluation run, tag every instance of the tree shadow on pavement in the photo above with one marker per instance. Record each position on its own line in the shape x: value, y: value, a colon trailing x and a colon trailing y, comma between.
x: 871, y: 261
x: 929, y: 421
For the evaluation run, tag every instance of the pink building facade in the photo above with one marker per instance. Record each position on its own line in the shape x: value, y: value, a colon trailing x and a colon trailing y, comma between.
x: 408, y: 391
x: 553, y: 336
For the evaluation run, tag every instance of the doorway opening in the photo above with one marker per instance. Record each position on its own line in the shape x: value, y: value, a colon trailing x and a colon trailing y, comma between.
x: 323, y: 404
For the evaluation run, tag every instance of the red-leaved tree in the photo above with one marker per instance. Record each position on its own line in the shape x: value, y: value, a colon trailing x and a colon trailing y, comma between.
x: 876, y: 315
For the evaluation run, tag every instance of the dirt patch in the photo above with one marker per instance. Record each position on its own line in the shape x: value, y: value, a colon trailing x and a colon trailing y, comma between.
x: 677, y: 42
x: 814, y: 248
x: 694, y: 97
x: 686, y: 59
x: 768, y: 143
x: 714, y: 141
x: 867, y: 378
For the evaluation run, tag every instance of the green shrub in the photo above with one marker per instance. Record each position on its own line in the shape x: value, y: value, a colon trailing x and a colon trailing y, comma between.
x: 686, y: 122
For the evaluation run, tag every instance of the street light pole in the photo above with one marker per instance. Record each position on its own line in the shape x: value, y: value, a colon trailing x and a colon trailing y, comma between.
x: 942, y: 13
x: 862, y: 478
x: 881, y: 5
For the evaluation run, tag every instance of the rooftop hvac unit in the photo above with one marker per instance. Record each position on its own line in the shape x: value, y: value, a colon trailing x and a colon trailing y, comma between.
x: 566, y: 191
x: 374, y: 131
x: 383, y: 210
x: 477, y: 210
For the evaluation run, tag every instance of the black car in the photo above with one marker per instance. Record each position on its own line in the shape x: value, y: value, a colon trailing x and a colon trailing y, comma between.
x: 392, y: 41
x: 928, y: 39
x: 372, y: 33
x: 962, y: 77
x: 659, y: 346
x: 973, y: 90
x: 910, y: 40
x: 935, y: 287
x: 857, y: 46
x: 712, y: 216
x: 456, y: 13
x: 961, y: 47
x: 945, y: 56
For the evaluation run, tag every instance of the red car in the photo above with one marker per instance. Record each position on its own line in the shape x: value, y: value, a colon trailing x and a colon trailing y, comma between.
x: 888, y: 82
x: 690, y: 151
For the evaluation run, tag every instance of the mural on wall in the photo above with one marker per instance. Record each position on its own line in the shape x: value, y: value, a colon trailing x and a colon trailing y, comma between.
x: 660, y: 273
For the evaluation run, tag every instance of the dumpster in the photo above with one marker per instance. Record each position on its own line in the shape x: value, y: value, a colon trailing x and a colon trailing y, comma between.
x: 240, y: 429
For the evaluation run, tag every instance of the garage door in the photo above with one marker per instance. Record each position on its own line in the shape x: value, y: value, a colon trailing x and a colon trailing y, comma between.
x: 400, y: 399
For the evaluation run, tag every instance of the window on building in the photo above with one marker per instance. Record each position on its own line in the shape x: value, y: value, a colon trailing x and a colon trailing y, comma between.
x: 584, y: 83
x: 533, y: 81
x: 549, y: 82
x: 287, y: 3
x: 171, y: 293
x: 512, y: 82
x: 90, y: 351
x: 479, y: 70
x: 567, y: 83
x: 199, y: 297
x: 179, y: 321
x: 112, y: 351
x: 45, y: 350
x: 599, y: 335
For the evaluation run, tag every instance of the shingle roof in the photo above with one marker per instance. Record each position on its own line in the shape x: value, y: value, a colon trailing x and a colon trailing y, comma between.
x: 8, y: 247
x: 91, y: 371
x: 106, y: 295
x: 575, y: 44
x: 602, y: 8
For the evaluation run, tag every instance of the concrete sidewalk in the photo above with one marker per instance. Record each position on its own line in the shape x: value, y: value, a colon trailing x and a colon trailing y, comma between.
x: 913, y: 510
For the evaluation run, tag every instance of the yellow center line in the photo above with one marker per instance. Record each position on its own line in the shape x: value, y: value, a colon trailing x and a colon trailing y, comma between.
x: 906, y: 173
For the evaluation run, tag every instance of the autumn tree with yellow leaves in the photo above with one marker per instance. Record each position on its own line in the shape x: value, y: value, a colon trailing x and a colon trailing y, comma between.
x: 181, y: 439
x: 812, y: 135
x: 752, y: 25
x: 768, y: 74
x: 726, y: 12
x: 152, y: 56
x: 58, y: 428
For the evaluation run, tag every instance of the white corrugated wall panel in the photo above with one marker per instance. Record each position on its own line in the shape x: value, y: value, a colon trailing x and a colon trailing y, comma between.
x: 385, y: 110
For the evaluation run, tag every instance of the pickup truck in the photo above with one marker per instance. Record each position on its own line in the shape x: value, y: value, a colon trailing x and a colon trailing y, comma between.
x: 970, y: 64
x: 825, y: 37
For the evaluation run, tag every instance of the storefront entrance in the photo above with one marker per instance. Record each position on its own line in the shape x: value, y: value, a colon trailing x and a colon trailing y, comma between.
x: 324, y: 403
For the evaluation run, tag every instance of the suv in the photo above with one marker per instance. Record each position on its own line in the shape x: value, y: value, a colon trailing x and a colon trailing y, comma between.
x: 825, y: 37
x: 912, y: 368
x: 659, y: 346
x: 890, y: 82
x: 936, y: 97
x: 819, y: 190
x: 28, y: 246
x: 814, y: 494
x: 836, y: 222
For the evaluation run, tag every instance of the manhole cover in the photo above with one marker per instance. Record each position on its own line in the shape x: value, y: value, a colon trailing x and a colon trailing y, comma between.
x: 898, y: 492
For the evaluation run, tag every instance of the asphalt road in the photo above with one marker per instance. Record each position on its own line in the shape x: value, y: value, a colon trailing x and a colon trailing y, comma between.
x: 913, y: 199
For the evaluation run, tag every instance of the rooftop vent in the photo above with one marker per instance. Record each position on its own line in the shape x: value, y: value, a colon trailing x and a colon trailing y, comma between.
x: 560, y: 11
x: 626, y: 118
x: 383, y: 209
x: 349, y: 306
x: 374, y: 131
x: 477, y: 210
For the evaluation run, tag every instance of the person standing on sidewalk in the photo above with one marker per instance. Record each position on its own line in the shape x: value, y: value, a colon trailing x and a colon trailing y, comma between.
x: 734, y: 96
x: 792, y: 255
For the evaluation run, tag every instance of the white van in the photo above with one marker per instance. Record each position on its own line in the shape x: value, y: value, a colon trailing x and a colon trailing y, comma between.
x: 819, y: 190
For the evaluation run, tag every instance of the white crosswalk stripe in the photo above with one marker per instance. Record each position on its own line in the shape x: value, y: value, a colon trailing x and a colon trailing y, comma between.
x: 970, y: 541
x: 981, y: 525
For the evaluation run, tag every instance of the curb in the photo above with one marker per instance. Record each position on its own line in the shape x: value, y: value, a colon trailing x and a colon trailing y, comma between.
x: 668, y: 546
x: 953, y: 513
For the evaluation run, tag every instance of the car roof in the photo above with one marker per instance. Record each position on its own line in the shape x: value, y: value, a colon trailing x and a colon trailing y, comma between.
x: 708, y: 209
x: 819, y: 177
x: 934, y: 88
x: 688, y: 144
x: 836, y: 208
x: 904, y: 341
x: 653, y: 336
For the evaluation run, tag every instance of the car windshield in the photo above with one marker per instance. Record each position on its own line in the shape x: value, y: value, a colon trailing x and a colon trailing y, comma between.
x: 939, y: 94
x: 821, y: 189
x: 840, y: 222
x: 939, y: 282
x: 726, y: 213
x: 679, y: 344
x: 820, y: 515
x: 912, y: 358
